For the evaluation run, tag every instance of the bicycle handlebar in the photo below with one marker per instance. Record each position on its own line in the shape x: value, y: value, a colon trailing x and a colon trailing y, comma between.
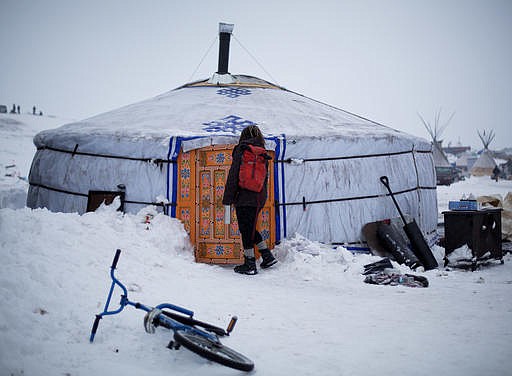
x: 116, y: 259
x: 105, y: 310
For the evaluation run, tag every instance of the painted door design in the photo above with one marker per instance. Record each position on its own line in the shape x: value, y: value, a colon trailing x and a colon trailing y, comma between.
x: 201, y: 182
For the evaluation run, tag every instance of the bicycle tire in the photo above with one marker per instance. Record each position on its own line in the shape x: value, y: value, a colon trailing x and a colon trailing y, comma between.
x: 214, y: 351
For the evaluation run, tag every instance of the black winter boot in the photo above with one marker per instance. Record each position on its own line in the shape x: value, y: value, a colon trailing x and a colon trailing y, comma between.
x: 267, y: 259
x: 248, y: 267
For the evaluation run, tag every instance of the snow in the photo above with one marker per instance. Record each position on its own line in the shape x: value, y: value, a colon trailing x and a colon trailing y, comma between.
x: 310, y: 314
x: 16, y: 153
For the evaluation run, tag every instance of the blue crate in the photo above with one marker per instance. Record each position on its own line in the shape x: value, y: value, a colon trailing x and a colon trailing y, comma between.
x: 463, y: 205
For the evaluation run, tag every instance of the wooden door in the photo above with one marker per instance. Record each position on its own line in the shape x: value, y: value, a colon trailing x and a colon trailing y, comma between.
x: 202, y: 179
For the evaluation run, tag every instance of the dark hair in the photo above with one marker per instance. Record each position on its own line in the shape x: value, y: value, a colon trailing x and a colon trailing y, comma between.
x: 252, y: 131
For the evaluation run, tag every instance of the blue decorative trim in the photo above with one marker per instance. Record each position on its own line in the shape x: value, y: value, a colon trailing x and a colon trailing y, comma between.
x: 233, y: 92
x: 277, y: 214
x: 283, y: 185
x: 168, y: 169
x: 353, y: 249
x: 172, y: 192
x: 279, y: 186
x: 229, y: 124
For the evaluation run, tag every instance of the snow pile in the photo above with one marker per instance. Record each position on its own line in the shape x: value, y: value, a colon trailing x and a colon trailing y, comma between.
x: 55, y: 276
x: 295, y: 318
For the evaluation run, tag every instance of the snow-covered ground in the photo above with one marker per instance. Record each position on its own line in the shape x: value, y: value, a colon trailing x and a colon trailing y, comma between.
x: 311, y: 314
x: 16, y: 153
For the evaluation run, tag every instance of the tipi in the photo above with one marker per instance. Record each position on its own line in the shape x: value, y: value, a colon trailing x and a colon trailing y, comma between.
x: 485, y: 164
x: 173, y: 151
x: 435, y: 131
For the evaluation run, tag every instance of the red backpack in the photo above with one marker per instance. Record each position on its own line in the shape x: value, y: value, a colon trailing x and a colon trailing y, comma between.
x: 253, y: 169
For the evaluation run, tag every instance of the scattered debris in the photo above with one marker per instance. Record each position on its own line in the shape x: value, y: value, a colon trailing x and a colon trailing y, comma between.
x: 395, y: 279
x: 383, y: 273
x: 41, y: 311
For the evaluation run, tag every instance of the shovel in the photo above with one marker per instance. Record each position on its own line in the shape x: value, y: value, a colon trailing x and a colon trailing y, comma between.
x: 418, y: 244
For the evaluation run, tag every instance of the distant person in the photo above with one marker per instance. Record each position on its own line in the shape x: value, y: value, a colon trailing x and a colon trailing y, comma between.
x: 40, y: 113
x: 18, y: 108
x: 13, y: 111
x: 34, y: 110
x: 496, y: 173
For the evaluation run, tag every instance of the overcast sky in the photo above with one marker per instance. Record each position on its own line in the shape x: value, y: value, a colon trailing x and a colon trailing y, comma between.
x: 384, y: 60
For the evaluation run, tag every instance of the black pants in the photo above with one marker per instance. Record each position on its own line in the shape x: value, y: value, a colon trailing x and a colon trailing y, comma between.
x: 247, y: 217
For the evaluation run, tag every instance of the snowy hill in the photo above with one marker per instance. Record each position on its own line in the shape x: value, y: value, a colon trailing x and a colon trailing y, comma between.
x: 311, y: 314
x: 16, y: 153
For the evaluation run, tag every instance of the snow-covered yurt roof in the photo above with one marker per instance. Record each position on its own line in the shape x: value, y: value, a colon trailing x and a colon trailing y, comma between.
x: 206, y: 113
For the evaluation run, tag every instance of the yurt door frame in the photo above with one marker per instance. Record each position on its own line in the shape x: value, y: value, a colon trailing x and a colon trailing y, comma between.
x: 201, y: 181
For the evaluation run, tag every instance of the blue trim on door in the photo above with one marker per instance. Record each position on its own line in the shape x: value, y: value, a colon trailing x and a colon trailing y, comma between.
x: 172, y: 187
x: 282, y: 158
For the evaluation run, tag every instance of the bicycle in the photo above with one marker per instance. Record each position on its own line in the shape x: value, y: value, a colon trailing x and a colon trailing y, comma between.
x: 204, y: 342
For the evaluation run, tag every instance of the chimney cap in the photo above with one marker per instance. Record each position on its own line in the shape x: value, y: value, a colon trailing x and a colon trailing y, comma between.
x: 226, y: 28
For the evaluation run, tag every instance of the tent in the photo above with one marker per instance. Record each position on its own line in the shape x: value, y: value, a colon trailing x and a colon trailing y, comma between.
x: 485, y: 163
x: 445, y: 172
x: 173, y: 151
x: 435, y: 131
x: 466, y: 160
x: 440, y: 159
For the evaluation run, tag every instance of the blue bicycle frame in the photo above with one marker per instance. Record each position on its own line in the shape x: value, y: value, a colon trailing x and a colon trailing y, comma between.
x: 163, y: 319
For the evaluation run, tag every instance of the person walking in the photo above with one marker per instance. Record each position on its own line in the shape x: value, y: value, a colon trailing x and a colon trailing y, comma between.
x: 248, y: 204
x: 496, y: 173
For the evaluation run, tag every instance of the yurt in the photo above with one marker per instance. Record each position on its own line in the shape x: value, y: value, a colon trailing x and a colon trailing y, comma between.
x: 174, y: 151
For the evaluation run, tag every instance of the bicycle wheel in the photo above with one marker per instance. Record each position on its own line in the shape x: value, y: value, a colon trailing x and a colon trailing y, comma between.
x: 214, y: 351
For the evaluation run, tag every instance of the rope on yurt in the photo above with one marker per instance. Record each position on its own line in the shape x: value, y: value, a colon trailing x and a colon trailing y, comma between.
x: 291, y: 160
x: 304, y: 203
x: 202, y: 59
x: 257, y: 62
x: 164, y: 205
x: 57, y: 189
x: 74, y: 152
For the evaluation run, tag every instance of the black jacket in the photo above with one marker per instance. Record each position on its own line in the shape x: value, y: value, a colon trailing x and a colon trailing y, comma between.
x: 235, y: 195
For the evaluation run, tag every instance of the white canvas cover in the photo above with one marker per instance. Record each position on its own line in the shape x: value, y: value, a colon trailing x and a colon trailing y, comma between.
x: 464, y: 160
x: 440, y: 159
x: 484, y: 165
x: 328, y: 161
